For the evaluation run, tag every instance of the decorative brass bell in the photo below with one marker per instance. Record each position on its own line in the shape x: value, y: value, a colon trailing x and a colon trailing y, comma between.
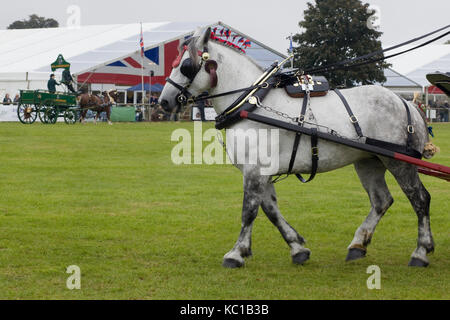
x: 205, y: 56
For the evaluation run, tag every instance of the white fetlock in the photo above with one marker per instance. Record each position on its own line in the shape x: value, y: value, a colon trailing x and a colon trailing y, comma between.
x: 234, y: 255
x: 421, y: 254
x: 298, y: 248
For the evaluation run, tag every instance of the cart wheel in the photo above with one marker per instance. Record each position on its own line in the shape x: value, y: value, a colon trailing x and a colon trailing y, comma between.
x: 41, y: 114
x: 70, y: 116
x: 50, y: 115
x: 26, y: 113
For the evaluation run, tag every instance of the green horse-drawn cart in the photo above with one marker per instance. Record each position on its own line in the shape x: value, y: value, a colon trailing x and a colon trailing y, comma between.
x: 47, y: 106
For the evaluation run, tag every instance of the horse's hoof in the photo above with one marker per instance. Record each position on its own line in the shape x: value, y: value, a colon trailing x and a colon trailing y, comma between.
x: 355, y: 254
x: 414, y: 262
x: 301, y: 257
x: 232, y: 264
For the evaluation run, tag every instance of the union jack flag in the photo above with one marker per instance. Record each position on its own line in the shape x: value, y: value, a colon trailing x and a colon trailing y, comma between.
x: 141, y: 43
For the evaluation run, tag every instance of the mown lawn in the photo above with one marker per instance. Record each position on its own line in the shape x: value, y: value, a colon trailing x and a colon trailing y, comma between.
x: 109, y: 199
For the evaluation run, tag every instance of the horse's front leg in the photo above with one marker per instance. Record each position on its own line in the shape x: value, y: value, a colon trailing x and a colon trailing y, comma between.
x: 96, y: 117
x: 108, y: 115
x: 254, y: 186
x: 83, y: 116
x: 299, y: 253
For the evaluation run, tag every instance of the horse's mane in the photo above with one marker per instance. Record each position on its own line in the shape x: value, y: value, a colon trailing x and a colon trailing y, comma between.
x: 239, y: 51
x: 191, y: 43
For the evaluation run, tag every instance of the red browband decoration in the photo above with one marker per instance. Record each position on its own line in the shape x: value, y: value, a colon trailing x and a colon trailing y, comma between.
x: 177, y: 61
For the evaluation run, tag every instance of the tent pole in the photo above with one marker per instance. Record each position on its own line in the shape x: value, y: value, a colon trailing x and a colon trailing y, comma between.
x: 142, y: 81
x: 150, y: 96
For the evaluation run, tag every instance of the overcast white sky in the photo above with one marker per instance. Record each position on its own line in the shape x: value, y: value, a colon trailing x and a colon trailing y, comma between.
x: 269, y: 21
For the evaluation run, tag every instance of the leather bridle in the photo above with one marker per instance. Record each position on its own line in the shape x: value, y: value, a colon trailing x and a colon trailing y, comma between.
x: 190, y: 70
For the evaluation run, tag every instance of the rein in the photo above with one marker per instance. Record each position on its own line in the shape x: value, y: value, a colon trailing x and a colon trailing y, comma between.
x: 185, y: 97
x: 345, y: 64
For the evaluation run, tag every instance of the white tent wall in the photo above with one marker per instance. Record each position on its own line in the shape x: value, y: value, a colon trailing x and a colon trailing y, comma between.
x: 13, y: 82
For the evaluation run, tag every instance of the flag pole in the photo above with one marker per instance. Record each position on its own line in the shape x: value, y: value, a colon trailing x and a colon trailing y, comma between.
x: 142, y: 73
x: 292, y: 52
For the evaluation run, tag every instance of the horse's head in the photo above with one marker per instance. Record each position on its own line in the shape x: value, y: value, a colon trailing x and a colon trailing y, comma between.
x: 193, y: 72
x: 112, y: 94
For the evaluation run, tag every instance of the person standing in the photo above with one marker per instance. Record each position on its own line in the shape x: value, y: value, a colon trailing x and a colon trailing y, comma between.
x: 16, y: 99
x: 52, y: 83
x: 7, y: 99
x: 445, y: 109
x: 67, y: 80
x: 201, y: 104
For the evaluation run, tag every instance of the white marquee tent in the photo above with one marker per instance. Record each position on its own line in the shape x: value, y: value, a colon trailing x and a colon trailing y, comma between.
x: 104, y: 54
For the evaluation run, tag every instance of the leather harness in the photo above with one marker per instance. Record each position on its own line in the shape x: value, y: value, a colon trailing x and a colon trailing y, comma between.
x: 272, y: 78
x: 225, y: 120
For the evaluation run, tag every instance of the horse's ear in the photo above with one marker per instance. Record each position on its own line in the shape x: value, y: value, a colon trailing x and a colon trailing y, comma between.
x: 206, y: 36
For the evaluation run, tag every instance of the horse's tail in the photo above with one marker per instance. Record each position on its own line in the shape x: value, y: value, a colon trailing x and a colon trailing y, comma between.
x: 430, y: 149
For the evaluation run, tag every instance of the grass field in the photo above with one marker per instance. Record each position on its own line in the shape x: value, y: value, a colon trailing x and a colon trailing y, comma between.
x: 109, y: 199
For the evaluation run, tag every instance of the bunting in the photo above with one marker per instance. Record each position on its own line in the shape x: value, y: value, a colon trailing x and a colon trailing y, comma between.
x: 227, y: 37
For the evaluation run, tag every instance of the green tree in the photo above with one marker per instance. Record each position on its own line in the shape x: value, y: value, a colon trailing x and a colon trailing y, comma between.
x: 336, y: 30
x: 34, y: 21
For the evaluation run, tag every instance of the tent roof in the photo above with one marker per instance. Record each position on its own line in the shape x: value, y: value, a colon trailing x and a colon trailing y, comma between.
x: 33, y: 50
x: 395, y: 79
x: 415, y: 65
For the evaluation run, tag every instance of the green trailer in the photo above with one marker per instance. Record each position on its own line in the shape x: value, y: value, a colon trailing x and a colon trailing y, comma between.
x: 47, y: 106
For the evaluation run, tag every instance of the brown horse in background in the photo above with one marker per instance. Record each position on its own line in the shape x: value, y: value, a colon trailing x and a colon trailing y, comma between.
x: 98, y: 104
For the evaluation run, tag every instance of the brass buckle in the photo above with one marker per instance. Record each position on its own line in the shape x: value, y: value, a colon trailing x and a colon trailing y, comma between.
x: 410, y: 129
x: 182, y: 99
x: 253, y: 100
x: 315, y: 151
x: 353, y: 119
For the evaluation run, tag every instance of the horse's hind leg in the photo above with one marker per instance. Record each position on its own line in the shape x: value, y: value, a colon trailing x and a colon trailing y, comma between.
x: 254, y: 186
x: 408, y: 179
x: 108, y: 115
x: 83, y: 116
x: 295, y: 241
x: 371, y: 174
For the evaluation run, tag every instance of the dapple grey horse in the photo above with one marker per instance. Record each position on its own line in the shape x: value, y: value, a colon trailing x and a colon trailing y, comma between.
x: 381, y: 115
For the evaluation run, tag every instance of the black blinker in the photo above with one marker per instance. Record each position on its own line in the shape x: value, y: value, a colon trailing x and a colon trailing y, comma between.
x: 188, y: 69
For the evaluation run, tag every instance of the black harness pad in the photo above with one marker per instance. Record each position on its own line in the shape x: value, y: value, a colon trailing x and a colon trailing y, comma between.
x: 318, y: 87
